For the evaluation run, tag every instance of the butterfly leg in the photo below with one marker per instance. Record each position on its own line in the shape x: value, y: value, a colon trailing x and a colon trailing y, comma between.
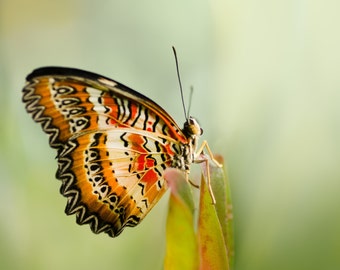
x: 213, y: 200
x: 192, y: 183
x: 206, y: 161
x: 211, y: 155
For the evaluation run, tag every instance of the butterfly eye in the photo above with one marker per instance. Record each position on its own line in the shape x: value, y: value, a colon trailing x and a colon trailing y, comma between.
x: 191, y: 127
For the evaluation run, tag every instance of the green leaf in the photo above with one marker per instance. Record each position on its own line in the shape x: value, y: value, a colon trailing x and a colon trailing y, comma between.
x: 181, y: 242
x: 212, y: 247
x: 221, y: 189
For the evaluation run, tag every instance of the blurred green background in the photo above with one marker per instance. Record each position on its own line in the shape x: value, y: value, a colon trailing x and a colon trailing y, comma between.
x: 267, y: 94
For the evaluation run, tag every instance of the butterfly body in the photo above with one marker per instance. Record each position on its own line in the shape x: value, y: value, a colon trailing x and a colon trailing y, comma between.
x: 113, y: 144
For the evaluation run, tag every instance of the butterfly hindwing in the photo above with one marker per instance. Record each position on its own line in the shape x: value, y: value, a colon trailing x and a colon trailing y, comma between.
x: 113, y: 184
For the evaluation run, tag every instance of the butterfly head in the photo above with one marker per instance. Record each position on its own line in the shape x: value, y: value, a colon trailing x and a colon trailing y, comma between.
x: 192, y: 128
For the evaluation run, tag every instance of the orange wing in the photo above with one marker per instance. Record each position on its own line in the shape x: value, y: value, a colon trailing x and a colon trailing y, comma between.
x: 68, y: 102
x: 113, y: 145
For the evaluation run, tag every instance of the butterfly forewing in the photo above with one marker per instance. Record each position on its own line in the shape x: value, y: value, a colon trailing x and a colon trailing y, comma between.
x: 113, y: 145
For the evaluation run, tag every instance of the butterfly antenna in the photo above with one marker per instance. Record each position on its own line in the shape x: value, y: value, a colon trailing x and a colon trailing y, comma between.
x: 180, y: 83
x: 190, y: 99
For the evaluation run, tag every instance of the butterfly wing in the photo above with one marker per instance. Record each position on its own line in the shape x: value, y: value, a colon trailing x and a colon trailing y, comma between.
x: 113, y: 145
x: 68, y: 102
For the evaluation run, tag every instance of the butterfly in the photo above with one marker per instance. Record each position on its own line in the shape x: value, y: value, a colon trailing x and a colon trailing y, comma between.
x: 113, y: 145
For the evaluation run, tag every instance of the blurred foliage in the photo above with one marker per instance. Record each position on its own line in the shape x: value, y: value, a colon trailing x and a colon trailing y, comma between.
x: 212, y: 243
x: 198, y: 236
x: 266, y: 82
x: 181, y: 240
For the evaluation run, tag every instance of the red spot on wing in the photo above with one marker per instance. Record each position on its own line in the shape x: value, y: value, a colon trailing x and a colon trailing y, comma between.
x: 168, y: 150
x: 134, y: 110
x: 137, y: 142
x: 150, y: 177
x: 109, y: 101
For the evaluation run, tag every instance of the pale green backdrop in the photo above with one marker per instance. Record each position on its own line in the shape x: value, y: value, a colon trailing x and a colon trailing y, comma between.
x: 267, y: 94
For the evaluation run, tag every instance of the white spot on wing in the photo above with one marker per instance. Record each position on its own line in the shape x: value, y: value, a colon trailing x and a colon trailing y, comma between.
x: 107, y: 82
x: 97, y: 107
x: 51, y: 80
